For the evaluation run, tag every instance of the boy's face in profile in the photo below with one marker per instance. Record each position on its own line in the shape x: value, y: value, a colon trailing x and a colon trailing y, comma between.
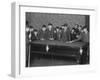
x: 85, y: 30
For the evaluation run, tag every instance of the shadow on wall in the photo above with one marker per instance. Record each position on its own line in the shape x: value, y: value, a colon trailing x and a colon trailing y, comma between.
x: 38, y: 19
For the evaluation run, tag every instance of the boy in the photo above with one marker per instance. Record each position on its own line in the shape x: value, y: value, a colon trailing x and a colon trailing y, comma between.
x: 73, y: 34
x: 85, y: 38
x: 50, y: 32
x: 58, y: 33
x: 65, y: 33
x: 27, y: 41
x: 35, y: 35
x: 85, y: 35
x: 80, y: 28
x: 43, y: 33
x: 29, y: 30
x: 76, y: 29
x: 30, y: 33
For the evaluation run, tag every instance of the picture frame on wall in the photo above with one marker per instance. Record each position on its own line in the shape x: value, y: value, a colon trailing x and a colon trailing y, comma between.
x: 50, y: 40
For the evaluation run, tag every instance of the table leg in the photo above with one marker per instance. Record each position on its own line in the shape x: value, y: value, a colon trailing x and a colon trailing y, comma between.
x: 79, y: 56
x: 78, y: 59
x: 29, y: 56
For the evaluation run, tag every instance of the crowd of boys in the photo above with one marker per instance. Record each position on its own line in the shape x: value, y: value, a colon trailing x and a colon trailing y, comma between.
x: 63, y: 33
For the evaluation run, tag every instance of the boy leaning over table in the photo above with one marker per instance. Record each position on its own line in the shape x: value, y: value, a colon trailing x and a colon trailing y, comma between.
x: 83, y: 36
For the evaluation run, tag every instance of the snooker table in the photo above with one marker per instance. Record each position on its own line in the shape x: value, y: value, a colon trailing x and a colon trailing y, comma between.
x: 57, y: 48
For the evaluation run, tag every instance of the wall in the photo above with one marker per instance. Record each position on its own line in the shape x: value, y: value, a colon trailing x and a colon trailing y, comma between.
x: 38, y: 19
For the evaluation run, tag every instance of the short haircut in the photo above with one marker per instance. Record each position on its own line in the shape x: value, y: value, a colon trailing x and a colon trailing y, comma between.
x: 31, y: 27
x: 77, y: 25
x: 73, y: 28
x: 80, y: 26
x: 50, y: 24
x: 44, y: 26
x: 60, y: 28
x: 35, y: 30
x: 84, y: 27
x: 57, y: 27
